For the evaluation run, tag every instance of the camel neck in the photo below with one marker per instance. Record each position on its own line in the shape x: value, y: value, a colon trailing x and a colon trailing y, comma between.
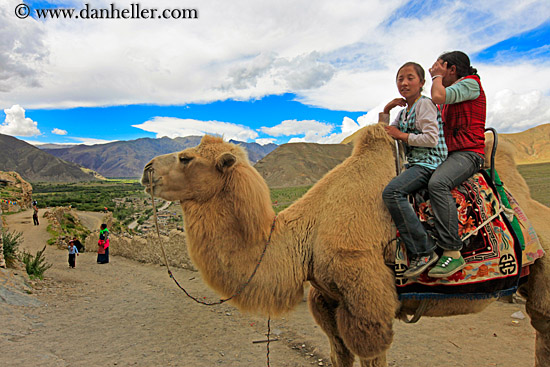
x: 227, y: 258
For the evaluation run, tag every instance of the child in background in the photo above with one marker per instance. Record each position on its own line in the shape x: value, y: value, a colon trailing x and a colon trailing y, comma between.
x: 73, y: 252
x: 419, y: 126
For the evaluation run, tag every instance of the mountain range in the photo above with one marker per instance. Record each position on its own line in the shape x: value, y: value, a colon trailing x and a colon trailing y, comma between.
x: 127, y: 158
x: 292, y: 164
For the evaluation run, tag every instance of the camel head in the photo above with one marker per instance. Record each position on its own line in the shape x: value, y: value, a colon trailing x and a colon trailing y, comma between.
x: 194, y: 174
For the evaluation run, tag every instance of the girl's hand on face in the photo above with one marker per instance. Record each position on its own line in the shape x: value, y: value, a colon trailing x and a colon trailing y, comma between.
x: 394, y: 103
x: 438, y: 68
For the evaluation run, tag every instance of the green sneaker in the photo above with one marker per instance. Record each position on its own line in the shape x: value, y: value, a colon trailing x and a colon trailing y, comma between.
x: 446, y: 266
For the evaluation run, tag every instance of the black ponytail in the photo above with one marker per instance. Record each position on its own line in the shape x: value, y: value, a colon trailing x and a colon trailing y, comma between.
x: 461, y: 61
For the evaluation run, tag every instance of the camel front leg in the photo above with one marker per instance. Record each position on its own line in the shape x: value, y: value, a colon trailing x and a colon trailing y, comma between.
x: 323, y: 311
x: 368, y: 305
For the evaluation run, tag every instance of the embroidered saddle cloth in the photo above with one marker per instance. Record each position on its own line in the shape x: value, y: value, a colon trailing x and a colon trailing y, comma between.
x: 492, y: 249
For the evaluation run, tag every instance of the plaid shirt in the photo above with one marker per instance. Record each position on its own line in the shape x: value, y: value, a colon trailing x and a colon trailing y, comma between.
x: 423, y: 156
x: 464, y: 123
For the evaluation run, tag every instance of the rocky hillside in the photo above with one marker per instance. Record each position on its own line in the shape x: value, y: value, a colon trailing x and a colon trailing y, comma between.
x: 127, y: 158
x: 35, y: 165
x: 300, y: 164
x: 13, y: 189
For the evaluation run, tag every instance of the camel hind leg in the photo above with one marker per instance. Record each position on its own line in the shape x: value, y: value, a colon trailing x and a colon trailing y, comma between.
x: 537, y: 292
x: 323, y: 311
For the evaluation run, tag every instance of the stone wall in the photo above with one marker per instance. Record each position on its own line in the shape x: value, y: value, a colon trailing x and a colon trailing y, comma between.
x: 147, y: 249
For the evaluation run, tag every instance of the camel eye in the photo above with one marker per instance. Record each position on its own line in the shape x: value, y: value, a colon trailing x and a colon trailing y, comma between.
x: 185, y: 160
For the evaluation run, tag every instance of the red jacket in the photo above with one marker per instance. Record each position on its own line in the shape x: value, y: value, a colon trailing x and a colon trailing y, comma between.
x: 464, y: 123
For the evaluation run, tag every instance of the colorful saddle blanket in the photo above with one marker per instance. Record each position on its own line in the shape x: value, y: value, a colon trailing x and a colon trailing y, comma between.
x: 492, y: 249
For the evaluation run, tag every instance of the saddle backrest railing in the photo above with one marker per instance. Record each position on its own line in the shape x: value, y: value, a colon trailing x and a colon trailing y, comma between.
x: 493, y: 151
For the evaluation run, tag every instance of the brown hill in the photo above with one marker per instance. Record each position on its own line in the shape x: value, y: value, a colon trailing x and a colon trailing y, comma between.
x: 35, y: 165
x: 300, y: 164
x: 532, y: 146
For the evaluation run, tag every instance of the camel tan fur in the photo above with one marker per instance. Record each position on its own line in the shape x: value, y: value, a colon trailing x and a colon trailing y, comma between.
x: 334, y: 237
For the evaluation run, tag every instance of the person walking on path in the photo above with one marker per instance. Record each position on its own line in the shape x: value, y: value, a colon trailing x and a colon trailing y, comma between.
x: 73, y: 252
x: 35, y: 213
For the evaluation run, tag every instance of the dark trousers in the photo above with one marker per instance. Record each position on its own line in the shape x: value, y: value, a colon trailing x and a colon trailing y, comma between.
x: 35, y: 219
x: 72, y: 260
x: 103, y: 258
x: 457, y: 168
x: 395, y: 197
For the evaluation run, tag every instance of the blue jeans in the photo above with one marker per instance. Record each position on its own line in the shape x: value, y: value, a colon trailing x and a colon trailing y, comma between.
x: 457, y: 168
x: 410, y: 228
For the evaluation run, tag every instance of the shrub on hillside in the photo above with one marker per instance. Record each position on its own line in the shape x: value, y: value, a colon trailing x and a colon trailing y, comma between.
x: 35, y: 265
x: 11, y: 242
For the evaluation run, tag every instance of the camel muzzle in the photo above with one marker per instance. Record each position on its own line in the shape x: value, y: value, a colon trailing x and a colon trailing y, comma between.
x: 147, y: 177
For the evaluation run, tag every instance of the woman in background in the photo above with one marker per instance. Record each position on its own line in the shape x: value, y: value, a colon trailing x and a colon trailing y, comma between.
x: 103, y: 245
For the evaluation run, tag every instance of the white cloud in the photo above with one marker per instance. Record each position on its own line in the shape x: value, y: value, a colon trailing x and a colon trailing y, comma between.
x: 173, y: 127
x: 17, y: 124
x: 92, y: 141
x: 513, y: 112
x: 265, y: 141
x: 336, y: 55
x: 312, y: 130
x: 57, y: 131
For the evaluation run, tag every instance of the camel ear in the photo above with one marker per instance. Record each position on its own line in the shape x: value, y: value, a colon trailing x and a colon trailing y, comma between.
x: 225, y: 161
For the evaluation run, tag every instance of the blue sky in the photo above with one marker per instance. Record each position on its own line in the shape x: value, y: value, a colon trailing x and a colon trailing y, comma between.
x: 257, y: 70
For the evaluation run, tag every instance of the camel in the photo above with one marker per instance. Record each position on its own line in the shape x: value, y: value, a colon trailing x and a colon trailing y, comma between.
x: 335, y: 237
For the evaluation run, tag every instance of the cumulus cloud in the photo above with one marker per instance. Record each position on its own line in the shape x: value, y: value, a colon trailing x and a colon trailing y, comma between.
x: 245, y: 49
x: 302, y: 72
x: 173, y: 127
x: 57, y: 131
x: 17, y: 124
x: 265, y: 141
x: 92, y: 141
x: 22, y: 50
x: 514, y: 112
x: 311, y: 131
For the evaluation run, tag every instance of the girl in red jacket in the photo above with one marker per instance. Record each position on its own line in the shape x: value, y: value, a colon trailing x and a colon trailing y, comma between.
x: 456, y: 87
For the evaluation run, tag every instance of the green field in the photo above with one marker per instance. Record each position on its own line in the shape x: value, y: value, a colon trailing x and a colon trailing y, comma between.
x: 538, y: 180
x: 88, y: 196
x: 282, y: 198
x: 95, y: 196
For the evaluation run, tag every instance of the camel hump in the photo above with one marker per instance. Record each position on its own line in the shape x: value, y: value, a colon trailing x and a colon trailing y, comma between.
x: 368, y: 136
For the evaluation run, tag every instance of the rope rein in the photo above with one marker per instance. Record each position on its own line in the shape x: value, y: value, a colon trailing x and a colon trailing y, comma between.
x: 219, y: 302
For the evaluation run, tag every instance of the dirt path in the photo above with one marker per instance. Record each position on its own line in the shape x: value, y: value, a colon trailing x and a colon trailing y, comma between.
x: 131, y: 314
